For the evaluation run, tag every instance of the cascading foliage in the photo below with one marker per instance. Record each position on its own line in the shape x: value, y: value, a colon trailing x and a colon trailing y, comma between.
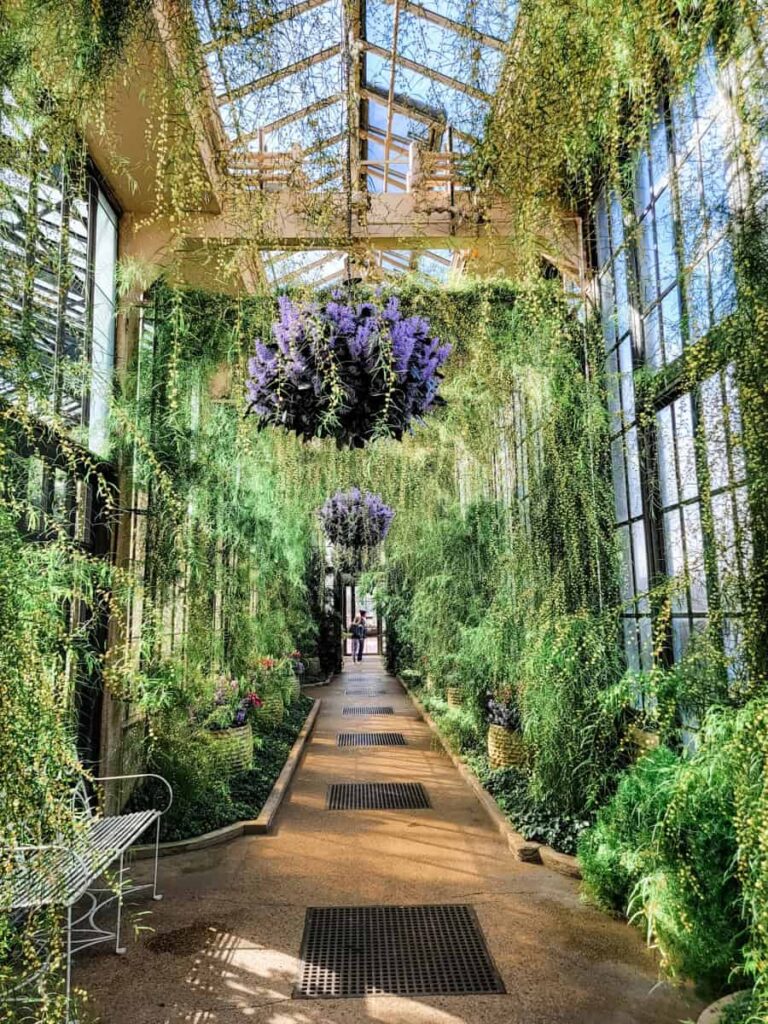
x: 352, y: 371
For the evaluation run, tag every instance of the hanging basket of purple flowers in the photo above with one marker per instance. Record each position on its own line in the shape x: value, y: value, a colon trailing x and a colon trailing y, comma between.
x: 355, y: 522
x: 351, y: 371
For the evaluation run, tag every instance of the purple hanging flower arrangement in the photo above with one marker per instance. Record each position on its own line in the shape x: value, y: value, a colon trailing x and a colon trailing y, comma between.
x: 355, y: 523
x: 351, y: 371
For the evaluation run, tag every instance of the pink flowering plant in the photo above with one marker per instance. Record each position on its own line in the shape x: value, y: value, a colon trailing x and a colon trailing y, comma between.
x: 353, y: 371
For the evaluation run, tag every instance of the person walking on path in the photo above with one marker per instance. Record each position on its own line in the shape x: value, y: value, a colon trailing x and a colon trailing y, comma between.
x: 359, y: 632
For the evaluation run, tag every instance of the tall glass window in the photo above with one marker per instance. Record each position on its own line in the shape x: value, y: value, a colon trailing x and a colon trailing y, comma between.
x: 58, y: 245
x: 728, y: 488
x: 665, y: 270
x: 613, y: 280
x: 680, y: 509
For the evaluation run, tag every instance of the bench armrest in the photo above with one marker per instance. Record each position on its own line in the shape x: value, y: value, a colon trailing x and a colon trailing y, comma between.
x: 140, y: 775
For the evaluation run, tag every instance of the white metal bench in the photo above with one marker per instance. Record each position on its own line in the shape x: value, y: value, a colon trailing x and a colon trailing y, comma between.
x: 60, y: 875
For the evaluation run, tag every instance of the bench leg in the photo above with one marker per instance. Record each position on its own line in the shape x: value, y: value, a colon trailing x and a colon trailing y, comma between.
x: 68, y: 970
x: 155, y: 894
x: 118, y: 947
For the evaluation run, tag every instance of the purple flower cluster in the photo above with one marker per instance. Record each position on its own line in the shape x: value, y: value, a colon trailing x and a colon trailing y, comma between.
x: 348, y: 371
x: 354, y: 520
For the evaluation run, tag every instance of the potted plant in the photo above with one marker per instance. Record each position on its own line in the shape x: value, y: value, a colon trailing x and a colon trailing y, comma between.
x: 506, y: 747
x: 298, y: 668
x: 453, y: 692
x: 349, y: 370
x: 275, y: 681
x: 736, y: 1007
x: 229, y: 723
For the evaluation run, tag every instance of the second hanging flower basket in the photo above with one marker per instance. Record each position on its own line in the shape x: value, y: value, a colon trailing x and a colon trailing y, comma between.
x: 355, y: 523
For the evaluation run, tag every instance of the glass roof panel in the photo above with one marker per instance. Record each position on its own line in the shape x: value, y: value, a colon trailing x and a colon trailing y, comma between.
x: 281, y: 72
x: 455, y: 55
x: 494, y: 17
x: 289, y: 42
x: 305, y: 131
x: 461, y: 110
x: 309, y: 267
x: 290, y: 94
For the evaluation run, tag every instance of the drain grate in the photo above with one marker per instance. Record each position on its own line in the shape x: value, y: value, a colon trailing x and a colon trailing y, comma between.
x: 362, y: 710
x: 409, y: 951
x: 370, y: 739
x: 365, y: 692
x: 377, y: 796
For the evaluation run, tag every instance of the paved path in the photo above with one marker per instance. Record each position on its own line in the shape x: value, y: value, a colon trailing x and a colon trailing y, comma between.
x: 227, y: 937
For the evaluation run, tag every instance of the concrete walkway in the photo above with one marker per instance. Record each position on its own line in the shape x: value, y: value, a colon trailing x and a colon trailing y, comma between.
x: 227, y: 936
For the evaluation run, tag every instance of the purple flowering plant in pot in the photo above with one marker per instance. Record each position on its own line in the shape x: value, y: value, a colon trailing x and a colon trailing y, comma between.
x: 349, y: 370
x: 355, y: 522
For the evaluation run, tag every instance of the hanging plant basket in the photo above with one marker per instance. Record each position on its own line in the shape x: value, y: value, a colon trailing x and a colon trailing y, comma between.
x: 350, y: 371
x: 235, y: 746
x: 505, y: 747
x: 355, y: 523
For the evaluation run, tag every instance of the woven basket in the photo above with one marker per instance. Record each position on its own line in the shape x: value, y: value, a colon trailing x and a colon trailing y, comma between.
x: 272, y: 710
x: 505, y: 748
x: 454, y: 696
x: 294, y: 690
x: 236, y: 747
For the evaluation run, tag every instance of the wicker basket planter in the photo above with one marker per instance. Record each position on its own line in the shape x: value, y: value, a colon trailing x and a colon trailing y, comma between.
x: 505, y: 747
x: 272, y: 710
x: 294, y: 691
x: 454, y: 696
x: 236, y: 746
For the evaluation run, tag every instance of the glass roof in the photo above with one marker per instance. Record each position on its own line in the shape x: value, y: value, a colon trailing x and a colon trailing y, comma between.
x: 347, y: 89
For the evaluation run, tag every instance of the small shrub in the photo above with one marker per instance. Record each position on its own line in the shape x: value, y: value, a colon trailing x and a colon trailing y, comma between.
x: 510, y: 788
x: 664, y: 852
x: 191, y: 762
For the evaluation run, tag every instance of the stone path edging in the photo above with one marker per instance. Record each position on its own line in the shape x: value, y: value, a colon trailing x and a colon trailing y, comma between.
x: 253, y: 826
x: 524, y: 849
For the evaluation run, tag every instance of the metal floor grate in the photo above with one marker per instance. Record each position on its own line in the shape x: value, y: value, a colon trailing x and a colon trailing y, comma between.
x: 408, y: 951
x: 377, y: 796
x: 362, y: 710
x: 370, y: 739
x: 365, y: 693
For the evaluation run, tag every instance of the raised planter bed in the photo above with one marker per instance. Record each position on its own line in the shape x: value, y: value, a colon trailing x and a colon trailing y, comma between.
x: 523, y: 849
x: 261, y: 825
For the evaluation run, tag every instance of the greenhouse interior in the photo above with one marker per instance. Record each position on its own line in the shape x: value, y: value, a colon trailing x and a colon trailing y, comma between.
x: 384, y: 511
